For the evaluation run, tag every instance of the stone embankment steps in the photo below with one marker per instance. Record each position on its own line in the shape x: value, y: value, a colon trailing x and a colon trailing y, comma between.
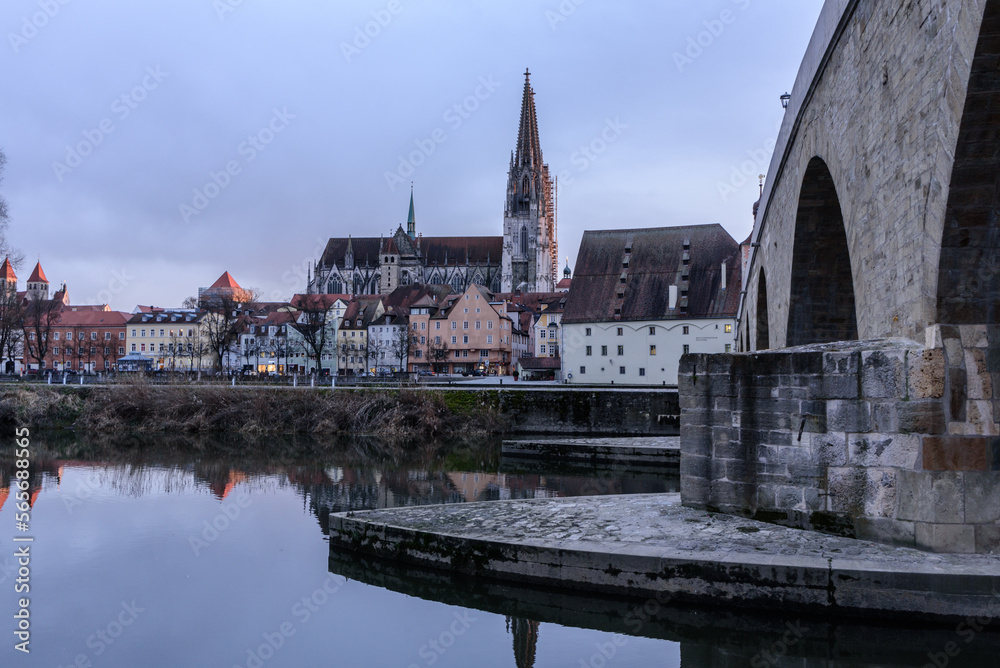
x: 649, y: 545
x: 645, y: 452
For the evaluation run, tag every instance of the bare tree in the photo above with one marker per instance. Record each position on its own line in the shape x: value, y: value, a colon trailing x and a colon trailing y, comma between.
x: 225, y: 322
x: 315, y: 325
x: 401, y: 344
x: 437, y: 350
x: 11, y: 321
x: 41, y: 315
x: 190, y: 302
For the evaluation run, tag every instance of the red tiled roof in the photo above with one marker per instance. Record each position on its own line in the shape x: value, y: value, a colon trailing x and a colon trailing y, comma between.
x: 92, y: 319
x: 312, y: 302
x: 38, y: 276
x: 7, y: 271
x: 564, y: 284
x: 226, y: 281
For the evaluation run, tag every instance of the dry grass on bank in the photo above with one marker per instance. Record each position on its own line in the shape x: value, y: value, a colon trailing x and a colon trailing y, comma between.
x: 219, y: 409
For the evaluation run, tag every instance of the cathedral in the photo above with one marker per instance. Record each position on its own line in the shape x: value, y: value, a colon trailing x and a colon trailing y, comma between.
x: 524, y: 259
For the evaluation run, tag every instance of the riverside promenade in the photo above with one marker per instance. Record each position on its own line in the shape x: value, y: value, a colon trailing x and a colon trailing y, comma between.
x: 651, y: 546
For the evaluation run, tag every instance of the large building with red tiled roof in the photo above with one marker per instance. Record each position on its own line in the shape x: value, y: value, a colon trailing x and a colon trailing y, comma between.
x: 524, y: 258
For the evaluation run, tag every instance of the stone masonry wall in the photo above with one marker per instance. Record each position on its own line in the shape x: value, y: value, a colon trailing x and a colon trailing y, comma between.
x: 883, y: 440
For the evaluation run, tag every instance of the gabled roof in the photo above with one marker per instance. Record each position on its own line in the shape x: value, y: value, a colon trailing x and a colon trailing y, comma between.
x: 539, y: 363
x: 92, y: 319
x: 38, y: 275
x: 226, y: 281
x: 689, y: 257
x: 316, y: 302
x: 7, y: 271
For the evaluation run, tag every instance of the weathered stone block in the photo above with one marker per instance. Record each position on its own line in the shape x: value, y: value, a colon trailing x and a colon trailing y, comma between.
x: 881, y: 493
x: 881, y: 450
x: 954, y: 453
x: 882, y: 374
x: 921, y: 417
x: 885, y: 416
x: 926, y: 496
x: 846, y: 489
x: 988, y: 539
x: 790, y: 498
x: 695, y: 491
x: 806, y: 363
x: 925, y: 374
x: 696, y: 467
x: 982, y: 497
x: 830, y: 449
x: 849, y: 416
x: 842, y: 363
x: 980, y: 381
x: 956, y: 538
x: 889, y: 531
x: 973, y: 336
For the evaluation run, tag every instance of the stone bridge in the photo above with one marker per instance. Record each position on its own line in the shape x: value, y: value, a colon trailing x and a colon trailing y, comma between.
x: 863, y: 399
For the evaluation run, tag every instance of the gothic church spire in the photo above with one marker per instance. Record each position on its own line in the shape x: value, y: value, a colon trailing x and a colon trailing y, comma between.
x: 529, y: 147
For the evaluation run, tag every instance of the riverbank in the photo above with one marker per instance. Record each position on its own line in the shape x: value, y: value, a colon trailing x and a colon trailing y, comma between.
x: 139, y: 407
x: 649, y: 546
x: 397, y: 413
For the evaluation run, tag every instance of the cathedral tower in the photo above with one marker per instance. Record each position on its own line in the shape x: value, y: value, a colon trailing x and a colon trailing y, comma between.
x: 530, y: 247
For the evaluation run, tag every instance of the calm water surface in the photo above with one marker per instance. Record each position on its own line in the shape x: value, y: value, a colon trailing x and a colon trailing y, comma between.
x: 179, y: 553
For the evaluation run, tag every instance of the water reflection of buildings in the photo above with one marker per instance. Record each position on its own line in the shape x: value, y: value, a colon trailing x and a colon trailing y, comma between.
x: 525, y: 639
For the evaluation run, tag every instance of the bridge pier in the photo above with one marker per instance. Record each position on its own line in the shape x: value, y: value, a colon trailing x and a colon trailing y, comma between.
x: 884, y: 440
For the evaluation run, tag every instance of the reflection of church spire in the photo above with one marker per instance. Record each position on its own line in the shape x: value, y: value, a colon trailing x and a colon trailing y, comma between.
x: 525, y: 634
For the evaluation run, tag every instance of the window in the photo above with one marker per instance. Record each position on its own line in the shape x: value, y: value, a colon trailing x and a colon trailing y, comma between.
x: 652, y: 331
x: 642, y: 372
x: 686, y: 330
x: 604, y: 351
x: 55, y: 351
x: 458, y: 353
x: 489, y: 325
x: 542, y: 349
x: 542, y: 333
x: 142, y: 332
x: 489, y: 339
x: 437, y: 325
x: 454, y: 324
x: 414, y: 327
x: 590, y: 351
x: 621, y: 331
x: 419, y: 354
x: 478, y: 310
x: 729, y: 347
x: 133, y: 332
x: 55, y: 336
x: 652, y: 350
x: 465, y: 324
x: 465, y: 353
x: 465, y: 339
x: 142, y: 348
x: 621, y: 350
x: 587, y: 331
x: 484, y: 353
x: 83, y: 335
x: 423, y: 325
x: 466, y: 310
x: 687, y: 349
x: 161, y: 332
x: 479, y: 324
x: 107, y: 335
x: 729, y: 329
x: 437, y: 340
x: 121, y: 350
x: 583, y: 370
x: 454, y: 339
x: 621, y: 371
x: 423, y: 340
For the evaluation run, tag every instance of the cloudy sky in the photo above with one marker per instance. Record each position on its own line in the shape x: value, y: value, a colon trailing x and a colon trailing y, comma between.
x: 153, y: 145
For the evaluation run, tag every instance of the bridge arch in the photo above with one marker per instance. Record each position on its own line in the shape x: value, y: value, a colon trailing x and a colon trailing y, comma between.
x: 821, y: 301
x: 969, y: 269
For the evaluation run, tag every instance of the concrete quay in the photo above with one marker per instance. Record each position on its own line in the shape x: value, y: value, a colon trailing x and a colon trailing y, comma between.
x: 651, y: 546
x: 657, y: 451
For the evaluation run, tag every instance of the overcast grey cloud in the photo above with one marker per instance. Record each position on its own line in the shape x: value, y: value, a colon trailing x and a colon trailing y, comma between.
x: 153, y: 145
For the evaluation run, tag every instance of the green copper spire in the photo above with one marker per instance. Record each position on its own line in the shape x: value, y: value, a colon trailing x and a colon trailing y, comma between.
x: 411, y: 222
